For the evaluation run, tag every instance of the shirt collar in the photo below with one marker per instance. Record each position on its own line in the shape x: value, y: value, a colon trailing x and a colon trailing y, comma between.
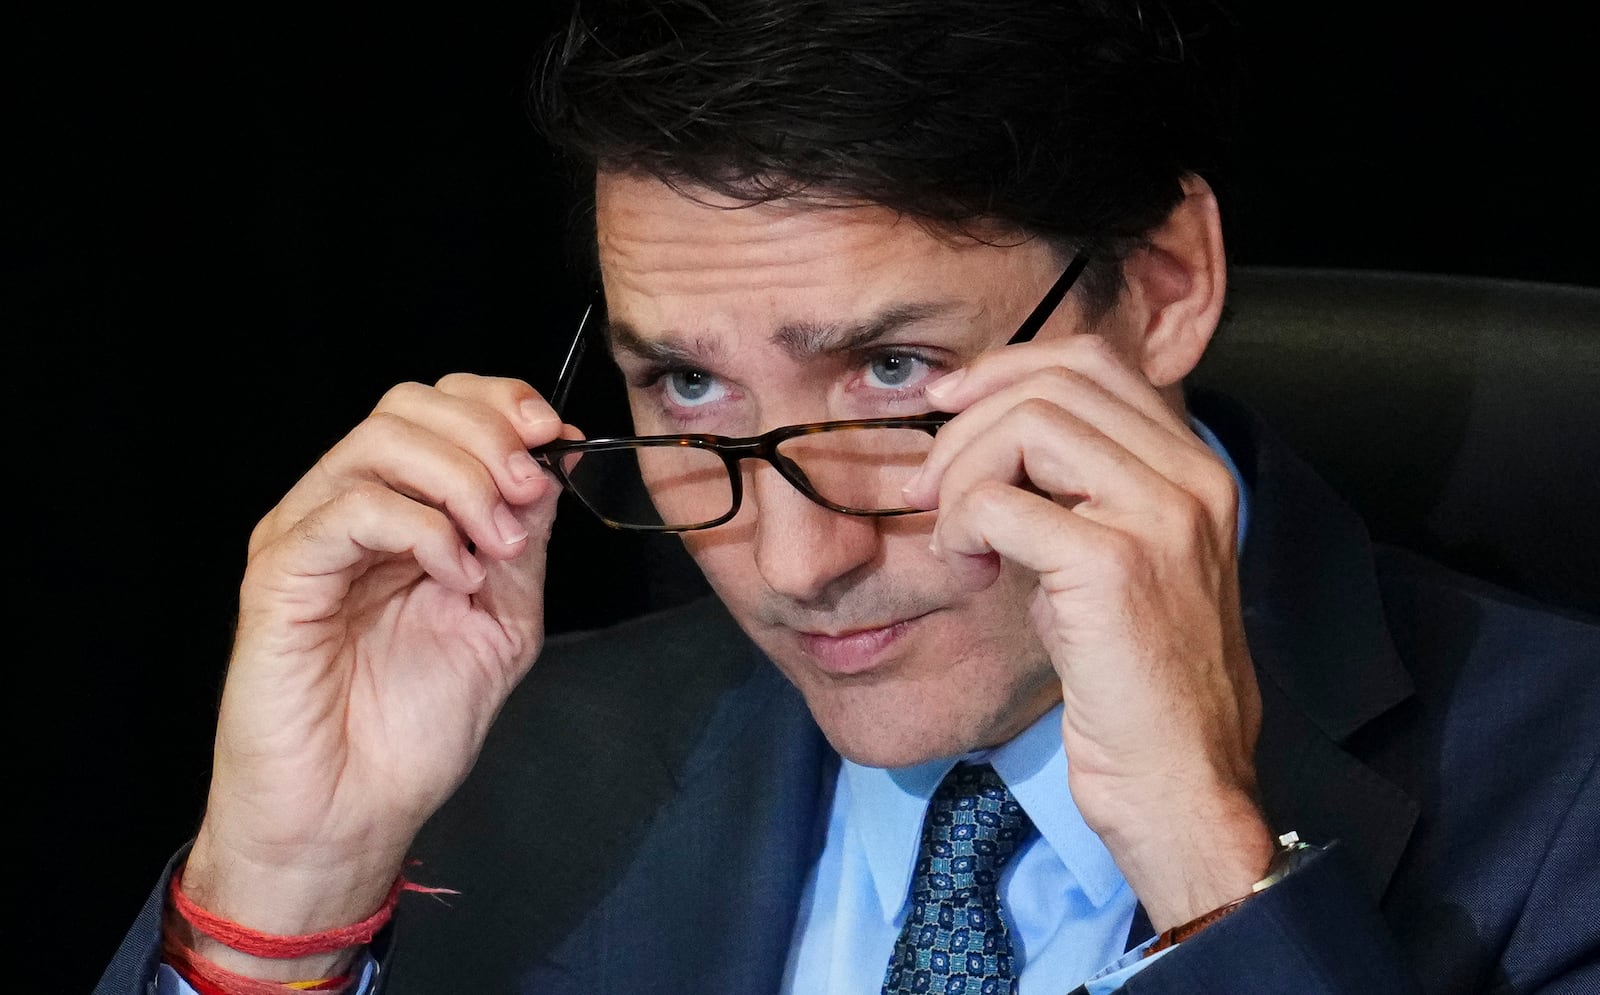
x: 885, y: 806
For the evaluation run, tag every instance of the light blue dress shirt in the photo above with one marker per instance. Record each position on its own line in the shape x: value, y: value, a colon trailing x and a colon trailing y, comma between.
x: 1068, y: 905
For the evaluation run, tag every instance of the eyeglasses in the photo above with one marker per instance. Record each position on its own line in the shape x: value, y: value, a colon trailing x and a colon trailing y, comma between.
x: 680, y: 483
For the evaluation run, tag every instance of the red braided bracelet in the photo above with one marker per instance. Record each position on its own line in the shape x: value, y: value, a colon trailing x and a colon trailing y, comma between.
x: 209, y: 978
x: 259, y: 944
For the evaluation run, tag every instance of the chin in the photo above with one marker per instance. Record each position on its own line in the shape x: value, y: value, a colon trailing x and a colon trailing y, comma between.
x: 870, y: 751
x: 920, y: 701
x: 893, y: 727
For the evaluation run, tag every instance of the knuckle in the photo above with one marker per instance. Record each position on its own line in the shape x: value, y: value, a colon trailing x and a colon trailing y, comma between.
x: 359, y: 500
x: 306, y: 529
x: 1222, y: 494
x: 1060, y: 374
x: 1037, y: 408
x: 262, y: 534
x: 453, y: 382
x: 988, y: 497
x: 1213, y: 488
x: 961, y: 504
x: 382, y: 426
x: 402, y: 395
x: 1058, y: 383
x: 1091, y: 349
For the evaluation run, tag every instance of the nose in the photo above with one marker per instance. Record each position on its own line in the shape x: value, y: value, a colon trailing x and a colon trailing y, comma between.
x: 804, y: 551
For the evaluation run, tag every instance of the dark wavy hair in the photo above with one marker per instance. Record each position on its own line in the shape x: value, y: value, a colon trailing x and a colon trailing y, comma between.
x: 1072, y: 120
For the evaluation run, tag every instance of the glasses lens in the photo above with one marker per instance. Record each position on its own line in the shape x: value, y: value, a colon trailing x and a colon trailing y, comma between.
x: 859, y: 469
x: 652, y: 486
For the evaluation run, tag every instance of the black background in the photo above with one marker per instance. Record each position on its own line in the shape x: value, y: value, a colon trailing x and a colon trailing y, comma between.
x: 238, y: 230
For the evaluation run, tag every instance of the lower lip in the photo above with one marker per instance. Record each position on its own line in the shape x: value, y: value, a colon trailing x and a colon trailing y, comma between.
x: 855, y: 652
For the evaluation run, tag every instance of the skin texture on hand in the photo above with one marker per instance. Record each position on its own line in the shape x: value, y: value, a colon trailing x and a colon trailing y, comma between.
x: 372, y: 652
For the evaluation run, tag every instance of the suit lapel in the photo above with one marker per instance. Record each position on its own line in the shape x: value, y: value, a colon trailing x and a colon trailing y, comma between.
x: 1326, y: 666
x: 720, y: 873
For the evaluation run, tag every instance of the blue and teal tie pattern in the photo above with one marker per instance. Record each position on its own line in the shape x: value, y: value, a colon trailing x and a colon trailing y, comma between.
x: 955, y: 940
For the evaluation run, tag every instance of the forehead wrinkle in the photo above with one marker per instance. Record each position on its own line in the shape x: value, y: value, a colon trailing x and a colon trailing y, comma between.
x: 806, y: 339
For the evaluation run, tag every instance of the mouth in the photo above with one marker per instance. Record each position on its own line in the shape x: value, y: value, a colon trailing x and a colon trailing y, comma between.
x: 855, y: 651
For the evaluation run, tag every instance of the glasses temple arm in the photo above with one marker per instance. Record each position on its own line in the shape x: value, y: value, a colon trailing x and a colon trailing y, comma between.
x: 1047, y: 307
x: 569, y: 366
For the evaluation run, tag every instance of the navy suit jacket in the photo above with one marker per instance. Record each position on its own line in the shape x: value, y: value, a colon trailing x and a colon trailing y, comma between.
x: 649, y: 802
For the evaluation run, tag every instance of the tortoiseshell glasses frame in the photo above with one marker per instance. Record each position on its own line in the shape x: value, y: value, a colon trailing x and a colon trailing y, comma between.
x: 733, y: 451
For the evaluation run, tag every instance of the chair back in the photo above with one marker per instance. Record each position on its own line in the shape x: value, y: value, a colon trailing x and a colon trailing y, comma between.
x: 1459, y: 415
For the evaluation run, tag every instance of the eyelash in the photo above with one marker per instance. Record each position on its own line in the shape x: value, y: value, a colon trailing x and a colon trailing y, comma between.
x: 649, y: 379
x: 934, y: 369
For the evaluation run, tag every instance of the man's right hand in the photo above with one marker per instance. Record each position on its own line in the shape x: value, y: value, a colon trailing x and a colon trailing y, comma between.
x: 390, y: 603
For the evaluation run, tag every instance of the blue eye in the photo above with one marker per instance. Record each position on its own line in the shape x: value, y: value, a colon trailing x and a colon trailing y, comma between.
x: 691, y: 388
x: 896, y: 370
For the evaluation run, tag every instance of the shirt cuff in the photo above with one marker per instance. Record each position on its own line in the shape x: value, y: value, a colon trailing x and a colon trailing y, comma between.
x: 1119, y: 971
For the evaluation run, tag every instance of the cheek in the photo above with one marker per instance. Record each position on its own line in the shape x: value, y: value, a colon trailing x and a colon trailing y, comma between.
x: 726, y: 556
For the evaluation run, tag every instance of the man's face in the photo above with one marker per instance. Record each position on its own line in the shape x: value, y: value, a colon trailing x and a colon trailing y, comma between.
x: 790, y: 312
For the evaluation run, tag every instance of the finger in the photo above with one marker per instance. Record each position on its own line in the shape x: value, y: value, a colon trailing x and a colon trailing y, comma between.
x: 1058, y: 544
x: 518, y: 404
x: 1184, y: 459
x: 1038, y: 447
x: 496, y: 419
x: 344, y: 536
x: 513, y: 591
x: 1091, y: 356
x: 423, y: 466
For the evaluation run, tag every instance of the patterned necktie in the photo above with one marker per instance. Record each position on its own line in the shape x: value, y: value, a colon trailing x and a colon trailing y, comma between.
x: 955, y: 939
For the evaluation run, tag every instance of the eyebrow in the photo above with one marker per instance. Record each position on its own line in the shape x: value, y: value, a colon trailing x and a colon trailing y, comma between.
x: 800, y: 339
x: 805, y: 339
x: 623, y: 337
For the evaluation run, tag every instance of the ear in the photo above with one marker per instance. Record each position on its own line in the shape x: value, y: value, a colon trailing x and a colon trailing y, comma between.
x: 1175, y: 287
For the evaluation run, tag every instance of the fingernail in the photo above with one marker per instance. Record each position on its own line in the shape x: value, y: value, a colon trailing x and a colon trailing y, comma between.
x: 511, y: 530
x: 471, y: 567
x: 538, y: 413
x: 943, y: 386
x: 914, y: 485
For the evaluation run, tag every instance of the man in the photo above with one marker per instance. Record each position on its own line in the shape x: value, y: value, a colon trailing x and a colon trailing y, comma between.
x: 993, y: 700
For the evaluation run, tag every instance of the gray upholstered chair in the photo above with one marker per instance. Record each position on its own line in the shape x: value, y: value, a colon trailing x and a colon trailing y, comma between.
x: 1460, y: 415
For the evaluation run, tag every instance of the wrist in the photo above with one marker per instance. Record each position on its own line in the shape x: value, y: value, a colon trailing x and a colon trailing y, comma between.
x: 306, y: 894
x: 1291, y: 852
x: 1186, y: 862
x: 207, y: 946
